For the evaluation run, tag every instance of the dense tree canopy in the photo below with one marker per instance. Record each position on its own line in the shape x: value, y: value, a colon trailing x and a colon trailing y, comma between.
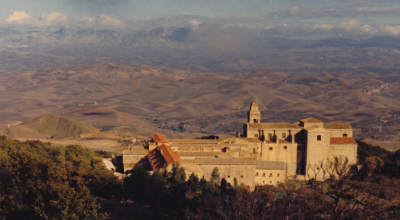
x: 40, y: 181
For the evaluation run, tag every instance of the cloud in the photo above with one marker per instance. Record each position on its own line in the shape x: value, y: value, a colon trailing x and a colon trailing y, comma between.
x: 18, y: 17
x: 53, y: 18
x: 102, y: 21
x: 354, y: 28
x: 347, y: 26
x: 352, y: 11
x: 381, y: 30
x: 105, y: 20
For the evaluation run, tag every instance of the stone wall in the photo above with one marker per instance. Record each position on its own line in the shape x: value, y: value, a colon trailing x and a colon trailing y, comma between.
x: 340, y: 132
x: 344, y: 150
x: 269, y: 177
x: 317, y: 148
x: 129, y: 161
x: 241, y: 169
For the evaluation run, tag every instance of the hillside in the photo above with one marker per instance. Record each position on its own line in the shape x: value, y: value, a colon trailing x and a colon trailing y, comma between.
x: 59, y: 126
x: 143, y: 99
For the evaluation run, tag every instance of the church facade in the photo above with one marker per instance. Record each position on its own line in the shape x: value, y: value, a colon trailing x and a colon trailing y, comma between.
x: 302, y: 144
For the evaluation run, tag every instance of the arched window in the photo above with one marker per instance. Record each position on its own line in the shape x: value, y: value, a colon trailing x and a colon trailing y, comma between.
x: 319, y: 138
x: 278, y: 174
x: 256, y: 174
x: 255, y: 120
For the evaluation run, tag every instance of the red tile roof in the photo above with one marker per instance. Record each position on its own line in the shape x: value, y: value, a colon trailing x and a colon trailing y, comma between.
x: 158, y: 137
x: 156, y: 159
x: 163, y: 142
x: 343, y: 140
x: 169, y: 155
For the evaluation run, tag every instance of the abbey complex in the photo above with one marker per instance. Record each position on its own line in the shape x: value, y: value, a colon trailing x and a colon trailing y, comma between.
x: 267, y: 153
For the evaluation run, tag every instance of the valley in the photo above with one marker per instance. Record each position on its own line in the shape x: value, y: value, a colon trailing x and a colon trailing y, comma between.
x: 176, y: 81
x: 144, y: 99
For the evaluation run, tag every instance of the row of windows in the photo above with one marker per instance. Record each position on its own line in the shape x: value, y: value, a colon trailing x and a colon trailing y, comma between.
x: 284, y: 136
x: 271, y: 182
x: 319, y: 137
x: 270, y: 135
x: 284, y: 147
x: 196, y: 150
x: 229, y: 176
x: 270, y: 175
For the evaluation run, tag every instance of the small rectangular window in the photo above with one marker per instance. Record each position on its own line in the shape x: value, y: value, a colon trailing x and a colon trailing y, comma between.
x: 319, y: 138
x: 256, y: 135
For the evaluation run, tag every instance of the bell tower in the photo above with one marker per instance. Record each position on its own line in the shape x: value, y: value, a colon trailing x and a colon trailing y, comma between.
x: 254, y: 114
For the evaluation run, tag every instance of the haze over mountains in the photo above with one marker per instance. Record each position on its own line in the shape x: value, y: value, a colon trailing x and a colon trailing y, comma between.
x: 203, y: 47
x: 195, y: 75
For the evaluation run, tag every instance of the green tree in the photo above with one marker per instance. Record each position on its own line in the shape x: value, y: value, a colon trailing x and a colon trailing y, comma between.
x: 36, y: 188
x: 215, y: 175
x: 372, y: 165
x: 194, y: 183
x: 177, y: 174
x: 235, y: 183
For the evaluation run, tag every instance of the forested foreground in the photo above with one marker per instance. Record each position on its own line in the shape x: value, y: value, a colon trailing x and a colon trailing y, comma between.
x: 41, y: 181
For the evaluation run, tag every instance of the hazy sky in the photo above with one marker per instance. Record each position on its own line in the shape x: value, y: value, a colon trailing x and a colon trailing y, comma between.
x: 348, y: 18
x: 137, y: 9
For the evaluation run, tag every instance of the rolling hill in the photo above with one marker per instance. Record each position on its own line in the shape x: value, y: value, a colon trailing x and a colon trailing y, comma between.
x: 145, y: 99
x: 59, y: 127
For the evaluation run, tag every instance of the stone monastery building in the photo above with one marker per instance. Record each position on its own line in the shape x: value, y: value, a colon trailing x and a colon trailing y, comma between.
x: 267, y: 153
